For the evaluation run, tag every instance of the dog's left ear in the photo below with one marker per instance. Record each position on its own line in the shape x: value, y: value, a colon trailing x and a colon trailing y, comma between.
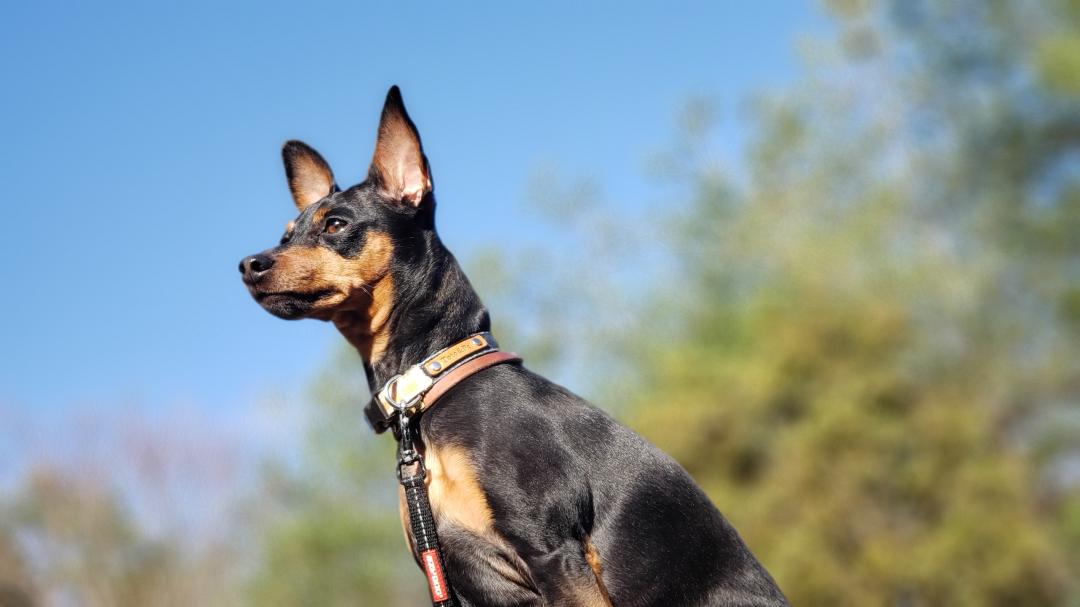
x: 399, y: 166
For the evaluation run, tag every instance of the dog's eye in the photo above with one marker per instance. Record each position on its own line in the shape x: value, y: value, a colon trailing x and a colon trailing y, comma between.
x: 333, y: 226
x: 285, y: 237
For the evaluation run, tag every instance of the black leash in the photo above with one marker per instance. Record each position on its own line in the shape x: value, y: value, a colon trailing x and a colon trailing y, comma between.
x: 421, y: 519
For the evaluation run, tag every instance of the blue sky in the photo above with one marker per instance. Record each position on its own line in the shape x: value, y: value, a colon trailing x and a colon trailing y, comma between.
x: 141, y: 158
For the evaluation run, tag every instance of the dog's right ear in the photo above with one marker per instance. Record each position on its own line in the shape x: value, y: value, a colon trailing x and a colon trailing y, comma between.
x: 310, y: 178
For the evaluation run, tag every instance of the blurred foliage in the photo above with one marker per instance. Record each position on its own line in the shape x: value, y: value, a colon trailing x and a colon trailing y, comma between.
x: 70, y: 539
x: 334, y: 536
x: 16, y: 587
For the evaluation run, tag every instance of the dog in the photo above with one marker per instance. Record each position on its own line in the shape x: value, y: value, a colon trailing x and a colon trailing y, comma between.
x: 539, y: 497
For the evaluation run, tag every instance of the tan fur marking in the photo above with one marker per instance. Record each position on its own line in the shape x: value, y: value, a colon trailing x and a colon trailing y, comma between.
x: 593, y: 558
x: 455, y: 491
x: 361, y: 290
x: 367, y: 330
x: 382, y: 301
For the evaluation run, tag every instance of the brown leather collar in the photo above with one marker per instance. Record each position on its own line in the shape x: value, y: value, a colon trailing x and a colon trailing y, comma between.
x: 418, y: 388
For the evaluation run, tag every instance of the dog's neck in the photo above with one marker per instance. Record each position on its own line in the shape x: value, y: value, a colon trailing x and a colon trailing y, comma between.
x: 424, y: 304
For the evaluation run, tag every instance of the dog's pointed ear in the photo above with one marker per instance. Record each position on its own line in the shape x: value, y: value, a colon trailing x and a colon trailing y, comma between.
x: 399, y: 167
x: 310, y: 178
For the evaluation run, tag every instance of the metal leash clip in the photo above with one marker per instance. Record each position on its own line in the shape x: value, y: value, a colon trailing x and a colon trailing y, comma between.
x: 403, y: 392
x: 407, y: 453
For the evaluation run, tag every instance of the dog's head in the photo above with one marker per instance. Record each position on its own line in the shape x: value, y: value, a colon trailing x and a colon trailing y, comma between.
x: 334, y: 260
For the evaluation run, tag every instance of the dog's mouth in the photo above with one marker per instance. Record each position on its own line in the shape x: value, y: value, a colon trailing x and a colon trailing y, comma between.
x: 309, y: 297
x: 290, y: 304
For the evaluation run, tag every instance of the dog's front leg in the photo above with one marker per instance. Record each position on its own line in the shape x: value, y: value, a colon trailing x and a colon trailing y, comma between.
x: 565, y: 574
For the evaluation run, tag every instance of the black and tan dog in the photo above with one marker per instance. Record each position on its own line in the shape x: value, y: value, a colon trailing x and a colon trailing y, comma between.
x: 540, y: 498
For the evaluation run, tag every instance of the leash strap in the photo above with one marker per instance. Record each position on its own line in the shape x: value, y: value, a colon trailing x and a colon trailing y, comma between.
x: 421, y: 519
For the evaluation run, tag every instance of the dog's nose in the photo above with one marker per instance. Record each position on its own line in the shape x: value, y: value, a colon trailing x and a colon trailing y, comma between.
x: 254, y: 266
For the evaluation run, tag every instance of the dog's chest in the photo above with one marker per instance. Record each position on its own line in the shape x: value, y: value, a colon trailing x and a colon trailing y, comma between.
x: 454, y: 490
x: 478, y: 558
